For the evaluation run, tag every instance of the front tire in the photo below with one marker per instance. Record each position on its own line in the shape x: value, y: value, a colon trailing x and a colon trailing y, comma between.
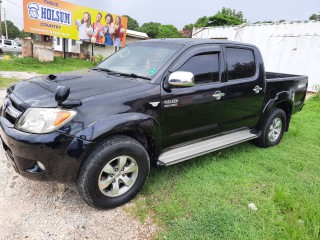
x: 114, y: 173
x: 273, y: 129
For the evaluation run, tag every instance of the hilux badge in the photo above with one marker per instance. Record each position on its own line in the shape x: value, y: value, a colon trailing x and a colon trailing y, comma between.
x: 171, y: 103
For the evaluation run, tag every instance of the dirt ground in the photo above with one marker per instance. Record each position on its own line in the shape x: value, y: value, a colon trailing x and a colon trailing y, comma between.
x: 37, y: 210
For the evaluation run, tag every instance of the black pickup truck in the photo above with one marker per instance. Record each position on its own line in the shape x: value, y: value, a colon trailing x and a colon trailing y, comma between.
x: 153, y: 102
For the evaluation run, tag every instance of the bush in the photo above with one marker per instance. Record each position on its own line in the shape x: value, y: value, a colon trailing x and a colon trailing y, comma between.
x: 317, y: 89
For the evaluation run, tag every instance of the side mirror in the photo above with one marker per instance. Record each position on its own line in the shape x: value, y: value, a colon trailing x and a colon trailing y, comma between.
x: 181, y: 79
x: 62, y: 94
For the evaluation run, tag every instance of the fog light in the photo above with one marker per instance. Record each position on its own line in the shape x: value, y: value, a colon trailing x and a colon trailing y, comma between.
x: 40, y: 164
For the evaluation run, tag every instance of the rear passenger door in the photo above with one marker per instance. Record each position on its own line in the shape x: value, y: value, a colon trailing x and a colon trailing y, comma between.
x: 245, y: 87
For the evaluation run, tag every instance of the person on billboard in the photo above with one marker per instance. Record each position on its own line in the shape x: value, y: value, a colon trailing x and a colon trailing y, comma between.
x: 118, y: 33
x: 97, y: 30
x: 108, y: 30
x: 84, y: 27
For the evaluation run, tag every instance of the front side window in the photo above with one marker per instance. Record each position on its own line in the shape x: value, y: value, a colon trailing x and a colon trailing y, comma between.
x: 205, y: 67
x: 240, y: 63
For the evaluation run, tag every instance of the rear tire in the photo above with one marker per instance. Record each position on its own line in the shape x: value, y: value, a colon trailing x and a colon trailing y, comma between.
x: 273, y: 129
x: 114, y: 173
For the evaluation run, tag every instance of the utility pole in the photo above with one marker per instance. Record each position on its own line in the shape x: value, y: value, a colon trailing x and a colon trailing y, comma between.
x: 5, y: 22
x: 0, y: 21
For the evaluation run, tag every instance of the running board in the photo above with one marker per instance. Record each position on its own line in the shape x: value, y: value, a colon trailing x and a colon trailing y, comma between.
x: 200, y: 148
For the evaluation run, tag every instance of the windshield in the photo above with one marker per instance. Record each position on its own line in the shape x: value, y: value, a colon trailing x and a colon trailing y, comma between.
x: 143, y: 59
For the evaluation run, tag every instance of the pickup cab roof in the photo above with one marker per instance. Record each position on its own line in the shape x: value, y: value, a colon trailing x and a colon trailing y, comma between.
x: 196, y: 41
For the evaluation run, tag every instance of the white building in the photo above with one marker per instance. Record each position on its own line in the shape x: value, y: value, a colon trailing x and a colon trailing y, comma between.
x: 288, y: 47
x: 73, y: 46
x: 70, y: 45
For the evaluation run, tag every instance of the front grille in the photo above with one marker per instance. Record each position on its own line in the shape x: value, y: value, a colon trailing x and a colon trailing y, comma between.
x: 17, y: 107
x: 10, y: 110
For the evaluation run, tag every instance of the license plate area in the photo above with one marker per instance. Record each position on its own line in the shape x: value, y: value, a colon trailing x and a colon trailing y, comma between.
x: 11, y: 160
x: 8, y: 155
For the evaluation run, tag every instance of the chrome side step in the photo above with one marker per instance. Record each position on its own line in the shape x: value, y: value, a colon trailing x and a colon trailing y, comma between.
x: 200, y: 148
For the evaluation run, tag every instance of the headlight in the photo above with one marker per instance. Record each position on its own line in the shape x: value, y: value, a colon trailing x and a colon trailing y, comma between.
x: 44, y: 120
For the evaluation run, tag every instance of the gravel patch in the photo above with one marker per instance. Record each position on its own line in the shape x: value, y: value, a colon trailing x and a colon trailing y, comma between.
x: 18, y: 75
x: 41, y: 210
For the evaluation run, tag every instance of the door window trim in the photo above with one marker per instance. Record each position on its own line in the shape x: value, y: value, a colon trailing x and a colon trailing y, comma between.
x: 193, y: 51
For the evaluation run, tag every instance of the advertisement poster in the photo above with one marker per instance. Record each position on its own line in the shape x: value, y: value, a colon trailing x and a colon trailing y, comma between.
x: 66, y: 20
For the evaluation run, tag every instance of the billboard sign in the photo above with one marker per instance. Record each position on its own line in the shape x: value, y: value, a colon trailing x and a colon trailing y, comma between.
x: 66, y: 20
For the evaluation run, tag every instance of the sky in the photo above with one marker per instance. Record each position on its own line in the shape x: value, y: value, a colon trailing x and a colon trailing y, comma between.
x: 180, y: 13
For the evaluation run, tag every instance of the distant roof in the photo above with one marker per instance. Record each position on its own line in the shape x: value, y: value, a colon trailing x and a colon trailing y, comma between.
x: 137, y: 34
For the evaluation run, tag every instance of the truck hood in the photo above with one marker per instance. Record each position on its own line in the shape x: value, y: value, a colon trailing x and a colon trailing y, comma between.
x: 40, y: 91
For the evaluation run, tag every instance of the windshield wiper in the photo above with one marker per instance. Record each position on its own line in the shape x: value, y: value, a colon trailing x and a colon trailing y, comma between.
x: 105, y: 70
x: 133, y: 75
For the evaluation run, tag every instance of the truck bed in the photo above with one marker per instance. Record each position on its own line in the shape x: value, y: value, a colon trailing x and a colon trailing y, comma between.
x: 294, y: 85
x: 280, y: 76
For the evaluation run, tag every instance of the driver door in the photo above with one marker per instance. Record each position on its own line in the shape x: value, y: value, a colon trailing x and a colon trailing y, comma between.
x: 193, y: 113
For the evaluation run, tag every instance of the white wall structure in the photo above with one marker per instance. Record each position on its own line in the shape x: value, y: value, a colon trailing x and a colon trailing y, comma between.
x: 71, y: 45
x: 287, y: 47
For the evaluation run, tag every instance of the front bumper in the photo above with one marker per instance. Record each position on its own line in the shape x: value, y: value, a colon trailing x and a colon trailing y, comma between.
x: 61, y: 154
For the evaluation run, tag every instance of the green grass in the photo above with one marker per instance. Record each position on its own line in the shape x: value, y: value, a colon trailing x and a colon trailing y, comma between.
x: 5, y: 82
x: 33, y: 65
x: 208, y: 197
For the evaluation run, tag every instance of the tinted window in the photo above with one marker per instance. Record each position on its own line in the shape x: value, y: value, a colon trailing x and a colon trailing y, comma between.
x: 6, y: 42
x: 241, y: 63
x: 205, y: 67
x: 58, y: 41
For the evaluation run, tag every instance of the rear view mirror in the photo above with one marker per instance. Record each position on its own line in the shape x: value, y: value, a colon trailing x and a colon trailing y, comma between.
x: 181, y: 79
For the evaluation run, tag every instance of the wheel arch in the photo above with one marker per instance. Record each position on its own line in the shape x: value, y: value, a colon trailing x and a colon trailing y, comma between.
x: 287, y: 107
x: 140, y: 127
x: 282, y: 101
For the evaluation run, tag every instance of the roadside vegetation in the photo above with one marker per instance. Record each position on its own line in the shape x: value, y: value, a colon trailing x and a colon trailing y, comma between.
x: 6, y: 82
x: 208, y: 197
x: 33, y: 65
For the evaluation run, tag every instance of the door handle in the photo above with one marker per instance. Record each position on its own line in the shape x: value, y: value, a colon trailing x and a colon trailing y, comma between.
x: 218, y: 95
x: 257, y: 89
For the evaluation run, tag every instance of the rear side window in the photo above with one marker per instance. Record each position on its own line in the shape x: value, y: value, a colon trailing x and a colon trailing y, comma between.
x: 205, y: 67
x: 241, y: 63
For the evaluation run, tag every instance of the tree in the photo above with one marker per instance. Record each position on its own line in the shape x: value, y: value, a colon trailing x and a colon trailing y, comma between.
x: 24, y: 34
x: 13, y: 31
x: 132, y: 23
x: 315, y: 17
x: 226, y: 17
x: 233, y: 13
x: 202, y: 22
x: 151, y: 29
x: 188, y: 27
x: 168, y: 31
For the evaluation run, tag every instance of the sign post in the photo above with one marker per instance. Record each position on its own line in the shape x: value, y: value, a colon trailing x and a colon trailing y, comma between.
x: 0, y: 20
